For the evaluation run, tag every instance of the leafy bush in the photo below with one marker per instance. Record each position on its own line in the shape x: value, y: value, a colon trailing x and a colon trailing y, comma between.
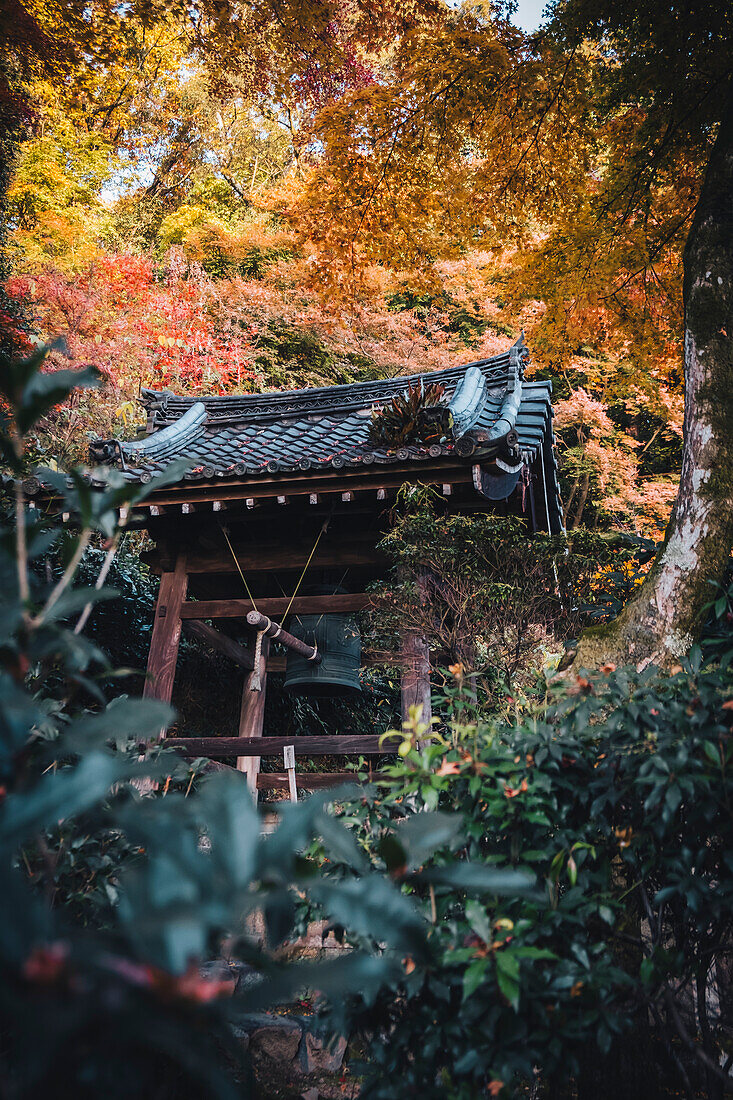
x: 292, y: 357
x: 123, y: 1008
x: 486, y: 592
x: 617, y: 800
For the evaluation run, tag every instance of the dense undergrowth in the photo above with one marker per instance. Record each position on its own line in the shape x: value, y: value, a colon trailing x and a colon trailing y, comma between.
x: 613, y: 971
x: 536, y: 901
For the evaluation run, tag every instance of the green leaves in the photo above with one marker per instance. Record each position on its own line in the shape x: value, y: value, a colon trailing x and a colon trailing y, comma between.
x: 373, y: 908
x: 422, y: 835
x: 479, y: 878
x: 61, y: 794
x: 474, y: 976
x: 478, y: 919
x: 32, y: 392
x: 507, y: 975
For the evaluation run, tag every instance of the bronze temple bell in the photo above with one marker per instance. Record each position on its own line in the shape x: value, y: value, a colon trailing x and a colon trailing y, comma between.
x: 339, y: 643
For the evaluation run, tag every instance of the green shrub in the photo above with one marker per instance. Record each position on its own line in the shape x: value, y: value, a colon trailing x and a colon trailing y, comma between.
x: 488, y: 593
x: 112, y: 900
x: 618, y: 801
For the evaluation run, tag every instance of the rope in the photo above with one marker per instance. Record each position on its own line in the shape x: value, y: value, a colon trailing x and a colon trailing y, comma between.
x: 310, y: 559
x: 239, y: 570
x: 255, y: 680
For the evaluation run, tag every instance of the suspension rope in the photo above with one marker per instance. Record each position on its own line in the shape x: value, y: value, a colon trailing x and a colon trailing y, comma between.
x: 239, y: 568
x: 255, y: 680
x: 324, y: 528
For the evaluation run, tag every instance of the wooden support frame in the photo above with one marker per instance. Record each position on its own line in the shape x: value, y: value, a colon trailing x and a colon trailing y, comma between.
x: 163, y: 654
x: 369, y: 744
x: 219, y: 642
x: 289, y: 762
x: 270, y: 557
x: 275, y: 606
x: 252, y: 717
x: 415, y: 686
x: 308, y: 781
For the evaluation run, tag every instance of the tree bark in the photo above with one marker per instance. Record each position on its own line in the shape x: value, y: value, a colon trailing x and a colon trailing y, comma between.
x: 663, y: 620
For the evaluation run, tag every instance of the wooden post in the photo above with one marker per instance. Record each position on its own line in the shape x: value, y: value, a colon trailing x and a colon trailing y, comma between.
x: 166, y: 635
x: 252, y: 717
x: 416, y: 668
x: 289, y: 762
x: 415, y: 676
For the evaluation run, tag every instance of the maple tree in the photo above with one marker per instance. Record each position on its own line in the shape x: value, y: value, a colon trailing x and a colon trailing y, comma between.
x: 405, y: 186
x: 586, y: 144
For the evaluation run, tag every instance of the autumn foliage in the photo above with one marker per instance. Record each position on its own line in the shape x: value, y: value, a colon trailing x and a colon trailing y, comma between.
x: 327, y: 192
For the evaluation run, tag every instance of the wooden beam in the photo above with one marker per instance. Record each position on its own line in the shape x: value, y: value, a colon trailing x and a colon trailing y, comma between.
x: 309, y: 781
x: 333, y: 481
x: 368, y: 744
x: 277, y: 663
x: 276, y: 606
x: 270, y: 557
x: 166, y: 635
x: 218, y: 641
x: 415, y: 688
x: 415, y: 677
x: 289, y: 762
x: 252, y: 717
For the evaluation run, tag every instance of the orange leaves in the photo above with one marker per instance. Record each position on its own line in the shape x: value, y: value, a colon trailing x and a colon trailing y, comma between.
x: 447, y: 767
x: 512, y: 792
x: 140, y: 330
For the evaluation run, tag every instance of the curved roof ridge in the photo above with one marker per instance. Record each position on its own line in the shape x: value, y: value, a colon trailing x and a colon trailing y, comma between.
x: 170, y: 440
x: 168, y: 407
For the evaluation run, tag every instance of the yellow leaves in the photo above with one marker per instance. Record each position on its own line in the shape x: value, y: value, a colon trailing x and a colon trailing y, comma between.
x: 126, y: 412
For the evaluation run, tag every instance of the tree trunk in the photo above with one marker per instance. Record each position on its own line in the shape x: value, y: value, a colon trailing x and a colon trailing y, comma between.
x: 661, y: 622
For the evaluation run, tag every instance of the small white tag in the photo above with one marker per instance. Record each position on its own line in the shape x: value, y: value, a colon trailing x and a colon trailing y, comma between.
x: 289, y: 756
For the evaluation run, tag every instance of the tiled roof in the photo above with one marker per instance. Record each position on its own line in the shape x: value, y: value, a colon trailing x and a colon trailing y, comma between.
x: 495, y: 412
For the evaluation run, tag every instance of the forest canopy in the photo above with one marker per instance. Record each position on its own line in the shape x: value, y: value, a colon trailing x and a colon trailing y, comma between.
x: 236, y: 197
